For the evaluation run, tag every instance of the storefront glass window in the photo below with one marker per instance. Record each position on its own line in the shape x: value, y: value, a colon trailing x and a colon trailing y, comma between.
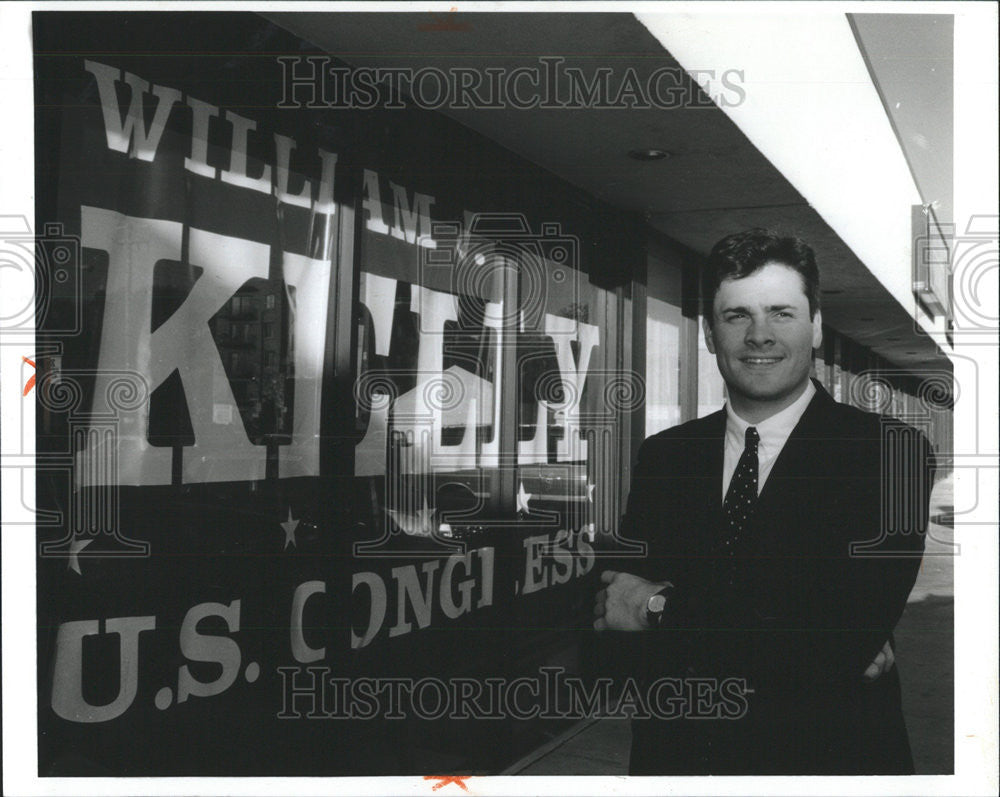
x: 664, y: 322
x: 570, y: 394
x: 428, y: 359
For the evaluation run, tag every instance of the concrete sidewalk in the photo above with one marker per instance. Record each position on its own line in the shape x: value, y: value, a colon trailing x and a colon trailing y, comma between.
x: 591, y: 747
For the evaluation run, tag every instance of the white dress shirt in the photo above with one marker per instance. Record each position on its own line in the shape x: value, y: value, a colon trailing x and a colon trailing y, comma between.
x: 774, y: 433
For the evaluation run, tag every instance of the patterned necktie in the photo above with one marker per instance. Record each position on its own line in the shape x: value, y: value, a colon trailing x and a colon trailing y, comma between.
x: 742, y: 494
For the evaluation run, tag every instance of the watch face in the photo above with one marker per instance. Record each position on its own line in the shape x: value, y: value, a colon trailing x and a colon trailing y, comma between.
x: 656, y: 604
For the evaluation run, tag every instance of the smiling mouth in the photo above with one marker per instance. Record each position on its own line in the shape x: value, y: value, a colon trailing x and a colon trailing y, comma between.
x: 760, y: 360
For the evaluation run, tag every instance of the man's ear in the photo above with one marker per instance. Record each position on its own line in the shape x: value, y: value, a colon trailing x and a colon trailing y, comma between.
x: 707, y: 327
x: 817, y: 330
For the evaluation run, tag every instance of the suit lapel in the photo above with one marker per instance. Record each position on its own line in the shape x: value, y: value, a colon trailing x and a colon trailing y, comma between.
x: 705, y: 501
x: 796, y: 466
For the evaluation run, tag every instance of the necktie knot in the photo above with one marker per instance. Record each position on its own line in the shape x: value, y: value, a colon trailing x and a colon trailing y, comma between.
x: 752, y: 438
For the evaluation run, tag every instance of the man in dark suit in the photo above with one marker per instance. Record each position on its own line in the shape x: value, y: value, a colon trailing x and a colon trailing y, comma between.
x: 783, y: 535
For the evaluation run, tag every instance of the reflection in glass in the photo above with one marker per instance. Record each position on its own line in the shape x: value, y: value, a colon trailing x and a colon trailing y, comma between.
x: 253, y: 332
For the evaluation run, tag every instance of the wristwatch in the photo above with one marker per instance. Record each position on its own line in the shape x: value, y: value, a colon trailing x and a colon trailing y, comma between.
x: 656, y: 606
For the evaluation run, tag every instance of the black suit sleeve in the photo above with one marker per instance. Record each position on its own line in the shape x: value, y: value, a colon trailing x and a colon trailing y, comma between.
x: 639, y: 524
x: 627, y: 654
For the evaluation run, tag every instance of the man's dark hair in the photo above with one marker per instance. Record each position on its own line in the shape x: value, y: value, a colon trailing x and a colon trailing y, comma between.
x: 741, y: 254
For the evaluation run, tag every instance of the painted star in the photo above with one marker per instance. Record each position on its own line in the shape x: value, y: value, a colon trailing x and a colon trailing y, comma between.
x: 522, y: 499
x: 76, y: 545
x: 289, y: 526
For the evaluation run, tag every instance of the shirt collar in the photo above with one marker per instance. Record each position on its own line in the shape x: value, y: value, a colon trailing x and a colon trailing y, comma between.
x: 773, y: 431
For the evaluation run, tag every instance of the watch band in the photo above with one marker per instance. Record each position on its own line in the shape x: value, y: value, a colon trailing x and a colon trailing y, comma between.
x: 656, y: 606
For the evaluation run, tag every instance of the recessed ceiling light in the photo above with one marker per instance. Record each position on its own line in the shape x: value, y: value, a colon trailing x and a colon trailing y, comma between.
x: 649, y: 154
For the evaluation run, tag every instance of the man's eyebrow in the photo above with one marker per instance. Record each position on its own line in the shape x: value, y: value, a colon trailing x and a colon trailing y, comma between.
x: 771, y: 308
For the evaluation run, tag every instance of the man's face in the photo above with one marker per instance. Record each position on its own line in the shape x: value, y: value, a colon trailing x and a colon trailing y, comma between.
x: 762, y: 338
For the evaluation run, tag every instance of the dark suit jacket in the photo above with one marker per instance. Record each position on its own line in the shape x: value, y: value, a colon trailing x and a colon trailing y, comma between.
x: 816, y: 587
